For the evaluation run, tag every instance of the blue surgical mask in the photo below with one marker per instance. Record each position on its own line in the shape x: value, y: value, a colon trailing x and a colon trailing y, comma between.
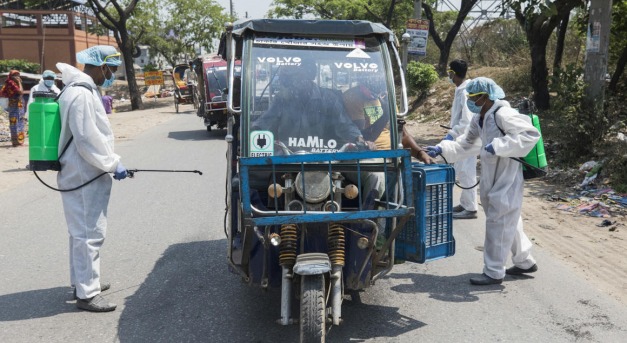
x: 109, y: 82
x: 451, y: 81
x: 472, y: 106
x: 49, y: 83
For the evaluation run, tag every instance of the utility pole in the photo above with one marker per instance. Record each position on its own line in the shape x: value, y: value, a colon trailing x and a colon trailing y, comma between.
x: 417, y: 9
x: 597, y: 43
x: 231, y: 8
x: 406, y: 38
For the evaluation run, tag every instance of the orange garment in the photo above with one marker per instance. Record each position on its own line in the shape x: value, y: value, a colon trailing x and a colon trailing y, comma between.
x: 364, y: 109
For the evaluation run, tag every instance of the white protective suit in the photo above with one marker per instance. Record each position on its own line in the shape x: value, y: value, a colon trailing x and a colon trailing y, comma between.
x: 89, y: 154
x: 41, y: 87
x: 501, y: 187
x: 465, y: 169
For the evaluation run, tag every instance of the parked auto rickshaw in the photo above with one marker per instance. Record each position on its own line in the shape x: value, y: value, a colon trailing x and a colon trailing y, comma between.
x: 212, y: 76
x: 185, y: 88
x: 301, y: 211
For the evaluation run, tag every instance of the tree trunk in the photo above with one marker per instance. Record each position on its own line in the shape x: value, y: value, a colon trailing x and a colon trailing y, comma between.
x: 127, y: 53
x: 443, y: 62
x: 620, y: 68
x: 446, y: 44
x: 559, y: 46
x: 539, y: 72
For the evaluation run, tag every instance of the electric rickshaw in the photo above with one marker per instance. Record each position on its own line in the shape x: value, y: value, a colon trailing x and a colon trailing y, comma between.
x: 212, y: 76
x: 185, y: 88
x: 301, y: 212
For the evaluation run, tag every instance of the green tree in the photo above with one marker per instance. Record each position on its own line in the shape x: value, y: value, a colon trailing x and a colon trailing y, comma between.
x: 179, y: 28
x: 618, y: 43
x: 114, y: 15
x: 445, y: 44
x: 391, y: 13
x: 539, y: 18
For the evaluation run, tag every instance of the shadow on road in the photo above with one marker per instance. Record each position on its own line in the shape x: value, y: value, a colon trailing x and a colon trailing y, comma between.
x: 39, y: 303
x: 191, y: 297
x: 444, y: 288
x: 197, y: 135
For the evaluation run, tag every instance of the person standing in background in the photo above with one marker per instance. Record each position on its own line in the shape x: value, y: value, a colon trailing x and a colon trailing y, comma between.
x: 107, y: 102
x: 46, y: 84
x: 14, y: 90
x: 465, y: 169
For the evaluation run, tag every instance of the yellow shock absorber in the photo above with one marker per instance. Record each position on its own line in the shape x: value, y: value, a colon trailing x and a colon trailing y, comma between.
x: 336, y: 244
x: 287, y: 248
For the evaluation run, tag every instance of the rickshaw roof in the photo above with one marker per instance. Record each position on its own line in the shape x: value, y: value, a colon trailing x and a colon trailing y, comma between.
x: 313, y: 27
x: 214, y: 61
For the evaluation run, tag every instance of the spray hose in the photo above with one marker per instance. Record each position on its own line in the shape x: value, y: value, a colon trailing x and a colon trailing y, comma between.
x: 131, y: 174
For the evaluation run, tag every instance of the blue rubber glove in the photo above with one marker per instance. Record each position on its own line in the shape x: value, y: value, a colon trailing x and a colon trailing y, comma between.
x: 448, y: 137
x: 434, y: 151
x: 120, y: 172
x: 489, y: 148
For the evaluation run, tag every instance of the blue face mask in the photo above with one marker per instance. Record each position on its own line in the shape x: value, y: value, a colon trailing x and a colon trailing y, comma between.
x: 108, y: 82
x: 49, y: 83
x: 472, y: 106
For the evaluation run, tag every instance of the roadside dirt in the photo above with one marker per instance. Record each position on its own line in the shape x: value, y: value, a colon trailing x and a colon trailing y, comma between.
x: 595, y: 252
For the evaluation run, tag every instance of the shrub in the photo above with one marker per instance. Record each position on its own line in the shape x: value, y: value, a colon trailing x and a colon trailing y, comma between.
x: 571, y: 124
x: 150, y: 67
x: 420, y: 78
x: 516, y: 79
x: 21, y: 65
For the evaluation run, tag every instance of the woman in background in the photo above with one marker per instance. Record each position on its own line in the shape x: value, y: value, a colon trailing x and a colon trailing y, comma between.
x: 13, y: 90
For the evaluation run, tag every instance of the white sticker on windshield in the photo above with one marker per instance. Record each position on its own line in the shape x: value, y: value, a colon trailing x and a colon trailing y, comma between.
x: 358, y: 53
x: 261, y: 143
x: 310, y: 41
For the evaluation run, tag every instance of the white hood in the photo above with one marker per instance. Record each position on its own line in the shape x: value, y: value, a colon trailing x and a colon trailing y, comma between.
x: 70, y: 74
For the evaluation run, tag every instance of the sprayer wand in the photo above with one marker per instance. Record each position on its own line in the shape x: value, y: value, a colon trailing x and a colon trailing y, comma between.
x: 131, y: 172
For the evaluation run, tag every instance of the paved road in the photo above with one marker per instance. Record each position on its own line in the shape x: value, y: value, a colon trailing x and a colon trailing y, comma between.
x: 165, y: 256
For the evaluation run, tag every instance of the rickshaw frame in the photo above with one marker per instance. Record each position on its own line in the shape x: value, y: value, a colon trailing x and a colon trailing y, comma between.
x: 187, y: 94
x: 255, y: 235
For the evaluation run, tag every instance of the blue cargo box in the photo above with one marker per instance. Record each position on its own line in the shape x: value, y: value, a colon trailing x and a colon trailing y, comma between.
x: 429, y: 235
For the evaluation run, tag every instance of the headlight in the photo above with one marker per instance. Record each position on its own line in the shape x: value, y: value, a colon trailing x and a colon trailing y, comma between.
x: 317, y: 186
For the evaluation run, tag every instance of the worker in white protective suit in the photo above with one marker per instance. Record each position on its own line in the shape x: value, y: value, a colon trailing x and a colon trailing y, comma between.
x: 501, y: 187
x: 45, y: 85
x: 86, y: 151
x: 465, y: 169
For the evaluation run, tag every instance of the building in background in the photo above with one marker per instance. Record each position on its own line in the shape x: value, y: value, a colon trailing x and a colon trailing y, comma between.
x: 53, y: 33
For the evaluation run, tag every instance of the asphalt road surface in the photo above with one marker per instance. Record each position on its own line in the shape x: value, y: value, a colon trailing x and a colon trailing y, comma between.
x: 165, y: 256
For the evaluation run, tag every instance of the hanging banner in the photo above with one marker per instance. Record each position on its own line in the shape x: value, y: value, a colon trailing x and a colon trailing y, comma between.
x: 418, y: 29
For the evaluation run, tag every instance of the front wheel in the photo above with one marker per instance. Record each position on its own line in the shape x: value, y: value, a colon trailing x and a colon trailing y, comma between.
x: 312, y: 309
x: 176, y: 104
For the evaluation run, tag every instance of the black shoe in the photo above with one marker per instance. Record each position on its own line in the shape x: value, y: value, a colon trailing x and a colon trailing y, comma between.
x: 95, y: 304
x: 519, y: 271
x: 103, y: 287
x: 465, y: 214
x: 458, y: 208
x: 485, y: 280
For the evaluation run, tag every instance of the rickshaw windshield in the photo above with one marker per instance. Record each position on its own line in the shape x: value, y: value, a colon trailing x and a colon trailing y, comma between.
x: 216, y: 81
x: 315, y: 95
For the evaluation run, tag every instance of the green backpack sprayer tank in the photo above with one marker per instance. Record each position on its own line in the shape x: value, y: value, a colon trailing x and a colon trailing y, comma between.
x: 44, y: 132
x: 536, y: 156
x: 535, y: 162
